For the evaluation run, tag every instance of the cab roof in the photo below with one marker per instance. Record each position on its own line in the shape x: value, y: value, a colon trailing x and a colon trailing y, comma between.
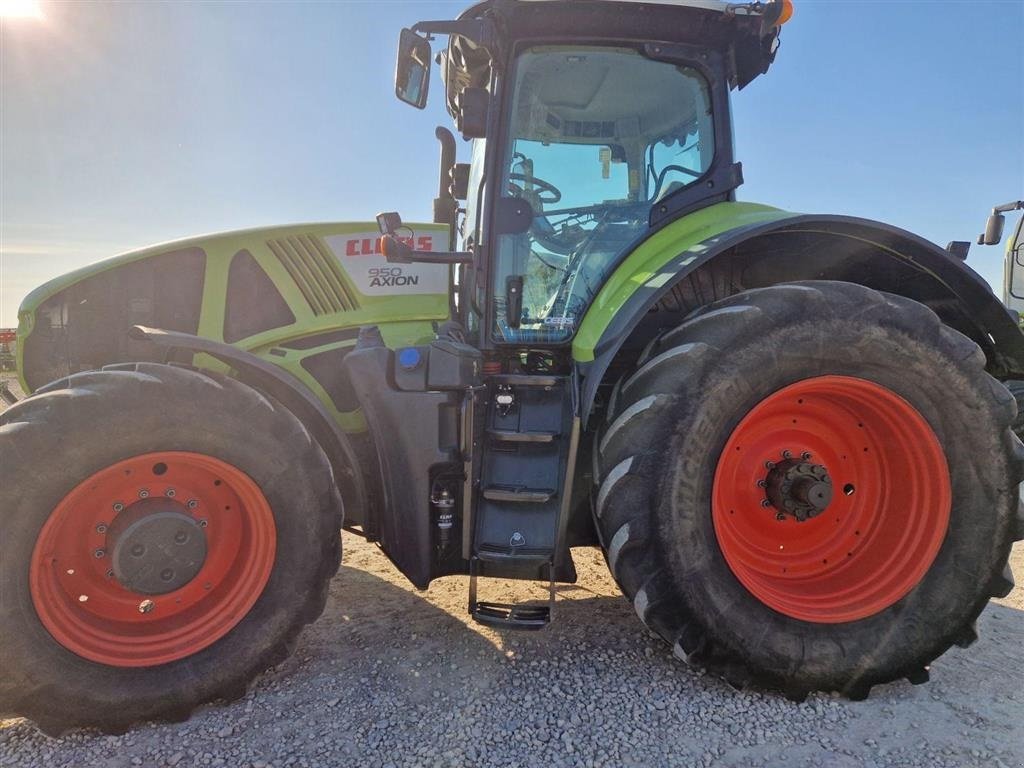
x: 746, y: 33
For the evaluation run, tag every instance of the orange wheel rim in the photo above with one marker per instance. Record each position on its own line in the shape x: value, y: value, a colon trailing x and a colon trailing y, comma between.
x: 831, y: 499
x: 152, y: 559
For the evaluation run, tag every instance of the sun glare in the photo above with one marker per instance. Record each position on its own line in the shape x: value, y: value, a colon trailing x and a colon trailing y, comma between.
x: 20, y: 9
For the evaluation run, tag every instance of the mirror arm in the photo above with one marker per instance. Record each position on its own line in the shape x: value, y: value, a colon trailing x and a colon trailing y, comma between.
x: 433, y: 257
x: 480, y: 31
x: 1015, y: 205
x: 397, y: 252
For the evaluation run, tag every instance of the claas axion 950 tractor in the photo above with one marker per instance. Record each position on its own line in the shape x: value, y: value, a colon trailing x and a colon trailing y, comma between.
x: 787, y: 432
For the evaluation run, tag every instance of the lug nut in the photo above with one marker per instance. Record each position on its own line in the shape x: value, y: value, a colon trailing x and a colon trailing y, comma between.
x: 118, y: 506
x: 805, y: 455
x: 169, y: 493
x: 143, y: 493
x: 110, y: 573
x: 101, y: 527
x: 787, y: 455
x: 769, y: 465
x: 765, y: 503
x: 192, y: 504
x: 762, y: 484
x: 99, y: 553
x: 780, y: 517
x: 203, y: 523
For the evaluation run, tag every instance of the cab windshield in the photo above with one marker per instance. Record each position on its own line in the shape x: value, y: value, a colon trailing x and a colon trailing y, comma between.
x: 597, y: 136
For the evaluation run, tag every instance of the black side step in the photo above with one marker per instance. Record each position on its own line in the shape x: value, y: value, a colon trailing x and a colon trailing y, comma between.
x: 511, y: 436
x: 519, y: 495
x: 508, y: 615
x: 522, y: 617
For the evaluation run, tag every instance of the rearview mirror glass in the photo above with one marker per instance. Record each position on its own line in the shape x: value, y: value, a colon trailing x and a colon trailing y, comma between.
x: 412, y: 70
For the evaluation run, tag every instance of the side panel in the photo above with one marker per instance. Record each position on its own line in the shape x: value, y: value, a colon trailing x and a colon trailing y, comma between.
x: 295, y: 296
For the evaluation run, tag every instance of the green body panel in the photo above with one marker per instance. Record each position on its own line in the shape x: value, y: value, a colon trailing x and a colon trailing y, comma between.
x: 404, y: 318
x: 644, y: 263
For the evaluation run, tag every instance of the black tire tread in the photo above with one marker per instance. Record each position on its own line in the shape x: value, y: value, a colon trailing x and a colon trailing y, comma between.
x: 628, y: 467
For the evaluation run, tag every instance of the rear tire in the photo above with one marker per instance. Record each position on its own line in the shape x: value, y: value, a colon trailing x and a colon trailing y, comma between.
x: 661, y: 517
x: 242, y: 467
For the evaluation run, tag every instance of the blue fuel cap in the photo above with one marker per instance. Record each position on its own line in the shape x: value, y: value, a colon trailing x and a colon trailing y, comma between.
x: 409, y: 358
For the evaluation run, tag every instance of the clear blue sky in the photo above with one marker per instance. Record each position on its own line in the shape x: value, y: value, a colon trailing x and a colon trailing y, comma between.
x: 126, y: 124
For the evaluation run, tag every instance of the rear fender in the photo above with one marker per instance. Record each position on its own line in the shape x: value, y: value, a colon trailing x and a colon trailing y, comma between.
x: 806, y: 247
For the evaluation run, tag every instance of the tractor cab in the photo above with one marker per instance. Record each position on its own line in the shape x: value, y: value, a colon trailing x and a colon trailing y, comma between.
x: 592, y: 124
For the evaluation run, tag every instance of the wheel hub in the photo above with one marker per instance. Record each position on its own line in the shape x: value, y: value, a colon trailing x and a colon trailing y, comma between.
x: 798, y: 488
x: 156, y: 547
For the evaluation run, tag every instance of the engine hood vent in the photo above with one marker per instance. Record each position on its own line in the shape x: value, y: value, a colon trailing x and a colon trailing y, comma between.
x: 311, y: 267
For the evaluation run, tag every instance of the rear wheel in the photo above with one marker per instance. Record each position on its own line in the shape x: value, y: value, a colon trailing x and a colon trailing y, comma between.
x: 835, y: 495
x: 168, y: 533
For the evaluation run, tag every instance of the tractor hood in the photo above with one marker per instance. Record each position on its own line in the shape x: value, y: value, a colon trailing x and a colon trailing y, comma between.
x: 252, y: 288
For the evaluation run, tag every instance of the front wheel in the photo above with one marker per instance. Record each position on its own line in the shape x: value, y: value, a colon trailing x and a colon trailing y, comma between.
x: 167, y: 534
x: 834, y: 495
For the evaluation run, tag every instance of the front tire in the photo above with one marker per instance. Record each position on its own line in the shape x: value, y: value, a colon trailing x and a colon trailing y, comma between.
x: 167, y: 535
x: 901, y: 444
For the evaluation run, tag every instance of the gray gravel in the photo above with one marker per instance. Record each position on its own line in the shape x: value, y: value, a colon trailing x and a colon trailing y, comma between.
x: 393, y: 677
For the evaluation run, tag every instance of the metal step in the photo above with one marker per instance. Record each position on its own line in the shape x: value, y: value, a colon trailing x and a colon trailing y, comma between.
x: 525, y: 616
x: 494, y: 554
x: 524, y: 380
x: 511, y: 436
x: 508, y: 616
x: 519, y: 495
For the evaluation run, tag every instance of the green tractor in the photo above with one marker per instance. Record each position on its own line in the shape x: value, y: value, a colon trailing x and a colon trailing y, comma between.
x: 787, y: 432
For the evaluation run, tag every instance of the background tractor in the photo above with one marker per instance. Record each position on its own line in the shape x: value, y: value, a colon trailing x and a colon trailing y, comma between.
x: 8, y: 347
x: 787, y: 432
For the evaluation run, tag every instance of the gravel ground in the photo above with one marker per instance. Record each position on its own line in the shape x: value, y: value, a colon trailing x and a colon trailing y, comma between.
x: 393, y: 677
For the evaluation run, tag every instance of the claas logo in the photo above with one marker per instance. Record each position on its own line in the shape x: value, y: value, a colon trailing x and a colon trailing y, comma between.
x: 368, y: 246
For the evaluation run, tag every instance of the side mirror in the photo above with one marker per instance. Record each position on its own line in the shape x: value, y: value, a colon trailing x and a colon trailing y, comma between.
x: 412, y: 69
x: 473, y: 104
x: 388, y: 223
x: 993, y: 230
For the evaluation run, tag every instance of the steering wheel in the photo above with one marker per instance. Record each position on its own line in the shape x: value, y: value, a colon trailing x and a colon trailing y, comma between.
x: 554, y: 194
